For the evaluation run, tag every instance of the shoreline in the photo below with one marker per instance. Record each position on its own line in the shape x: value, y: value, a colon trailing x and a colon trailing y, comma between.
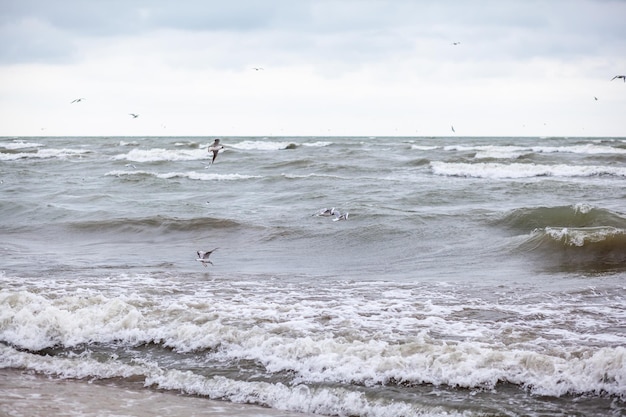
x: 27, y: 394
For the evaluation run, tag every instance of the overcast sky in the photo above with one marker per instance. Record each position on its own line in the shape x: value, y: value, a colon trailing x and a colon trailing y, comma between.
x: 329, y: 67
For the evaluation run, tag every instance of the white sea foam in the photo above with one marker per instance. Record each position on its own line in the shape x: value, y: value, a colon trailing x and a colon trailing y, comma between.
x: 260, y: 145
x: 263, y: 145
x: 512, y: 151
x: 518, y: 170
x: 573, y: 236
x: 19, y: 144
x: 45, y: 154
x: 424, y: 148
x: 342, y: 335
x: 193, y: 175
x: 160, y: 154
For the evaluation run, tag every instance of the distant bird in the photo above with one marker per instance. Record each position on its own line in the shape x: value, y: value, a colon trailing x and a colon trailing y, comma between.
x: 203, y: 257
x: 596, y: 98
x: 456, y: 43
x: 78, y: 100
x: 623, y: 77
x: 257, y: 68
x: 326, y: 212
x: 215, y: 148
x: 453, y: 129
x: 134, y: 115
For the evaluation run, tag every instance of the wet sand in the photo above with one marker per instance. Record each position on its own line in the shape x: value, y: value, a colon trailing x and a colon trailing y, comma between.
x: 24, y: 394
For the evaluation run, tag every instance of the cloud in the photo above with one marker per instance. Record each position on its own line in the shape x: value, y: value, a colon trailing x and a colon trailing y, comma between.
x: 339, y: 63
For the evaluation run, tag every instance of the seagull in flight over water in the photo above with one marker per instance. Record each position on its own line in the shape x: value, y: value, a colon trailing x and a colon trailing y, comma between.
x: 134, y: 115
x: 78, y: 100
x: 453, y: 129
x: 215, y: 148
x: 203, y: 257
x: 623, y: 77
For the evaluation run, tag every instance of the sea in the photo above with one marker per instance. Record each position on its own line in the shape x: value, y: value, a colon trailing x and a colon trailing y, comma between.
x: 468, y: 276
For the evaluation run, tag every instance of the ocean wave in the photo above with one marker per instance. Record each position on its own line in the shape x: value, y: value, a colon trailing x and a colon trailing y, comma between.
x: 159, y: 224
x: 514, y: 151
x: 578, y: 215
x: 44, y: 154
x: 262, y: 145
x: 193, y: 175
x: 19, y: 144
x: 297, y: 398
x: 363, y: 342
x: 519, y: 170
x: 585, y: 249
x: 161, y: 154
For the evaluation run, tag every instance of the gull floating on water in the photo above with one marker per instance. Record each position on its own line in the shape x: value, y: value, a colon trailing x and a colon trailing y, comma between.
x: 326, y: 212
x: 623, y: 77
x: 339, y: 216
x: 215, y: 148
x: 78, y: 100
x: 203, y: 257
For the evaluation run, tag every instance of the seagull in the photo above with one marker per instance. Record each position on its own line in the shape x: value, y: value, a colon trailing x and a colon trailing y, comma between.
x: 257, y: 68
x: 326, y: 212
x: 595, y: 98
x: 203, y: 257
x: 453, y: 129
x: 215, y: 148
x: 134, y: 115
x: 78, y: 100
x: 623, y: 77
x: 456, y: 43
x: 339, y: 216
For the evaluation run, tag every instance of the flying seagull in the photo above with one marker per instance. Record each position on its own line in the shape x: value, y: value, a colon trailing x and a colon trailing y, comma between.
x: 623, y: 77
x: 134, y: 115
x: 215, y: 148
x: 453, y: 129
x: 203, y: 257
x: 78, y: 100
x: 456, y: 43
x: 257, y: 68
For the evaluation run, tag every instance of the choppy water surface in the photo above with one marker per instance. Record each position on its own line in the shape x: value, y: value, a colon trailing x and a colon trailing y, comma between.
x: 473, y: 276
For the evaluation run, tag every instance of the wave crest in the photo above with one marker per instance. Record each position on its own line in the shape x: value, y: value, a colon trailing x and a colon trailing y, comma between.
x: 579, y: 215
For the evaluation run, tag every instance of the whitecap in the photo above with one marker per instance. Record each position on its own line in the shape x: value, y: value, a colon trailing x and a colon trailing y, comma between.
x: 517, y: 170
x: 160, y: 154
x: 20, y: 145
x: 259, y: 145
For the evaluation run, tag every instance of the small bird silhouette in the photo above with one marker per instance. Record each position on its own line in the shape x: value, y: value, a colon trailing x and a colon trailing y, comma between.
x: 623, y: 77
x: 134, y: 115
x: 78, y: 100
